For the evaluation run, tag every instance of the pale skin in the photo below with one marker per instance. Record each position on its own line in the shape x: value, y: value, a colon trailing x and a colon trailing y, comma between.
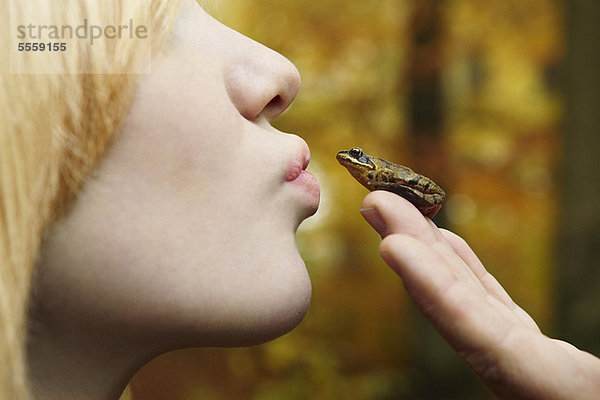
x: 184, y: 236
x: 499, y: 341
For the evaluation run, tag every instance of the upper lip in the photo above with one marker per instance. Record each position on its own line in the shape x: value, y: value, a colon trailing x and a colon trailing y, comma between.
x: 299, y: 163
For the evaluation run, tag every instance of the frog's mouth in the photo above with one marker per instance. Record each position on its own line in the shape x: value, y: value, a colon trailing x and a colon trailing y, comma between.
x: 359, y: 172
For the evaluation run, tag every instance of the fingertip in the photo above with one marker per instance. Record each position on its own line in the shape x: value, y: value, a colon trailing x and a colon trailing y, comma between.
x: 370, y: 200
x: 390, y: 250
x: 398, y: 251
x: 386, y: 247
x: 372, y: 216
x: 381, y: 208
x: 390, y: 244
x: 424, y: 275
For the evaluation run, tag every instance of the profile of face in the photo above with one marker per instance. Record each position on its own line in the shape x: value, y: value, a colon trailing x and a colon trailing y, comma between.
x: 185, y: 234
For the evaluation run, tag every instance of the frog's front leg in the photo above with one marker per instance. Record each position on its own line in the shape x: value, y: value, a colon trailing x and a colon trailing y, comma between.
x: 427, y: 204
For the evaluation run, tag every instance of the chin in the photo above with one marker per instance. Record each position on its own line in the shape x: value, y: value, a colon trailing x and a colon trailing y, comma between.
x: 271, y: 329
x: 260, y: 304
x: 280, y: 309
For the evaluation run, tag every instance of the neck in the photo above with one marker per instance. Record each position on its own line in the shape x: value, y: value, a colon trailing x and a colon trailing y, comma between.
x: 81, y: 366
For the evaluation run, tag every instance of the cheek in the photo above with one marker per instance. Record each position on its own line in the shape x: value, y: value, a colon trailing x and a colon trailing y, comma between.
x: 181, y: 124
x: 195, y: 278
x: 176, y: 152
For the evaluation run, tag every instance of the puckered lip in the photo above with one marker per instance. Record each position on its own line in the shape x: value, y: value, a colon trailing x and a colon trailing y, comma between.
x: 299, y: 163
x: 306, y: 184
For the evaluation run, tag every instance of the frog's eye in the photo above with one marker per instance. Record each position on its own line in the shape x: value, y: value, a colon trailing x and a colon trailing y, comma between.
x: 356, y: 152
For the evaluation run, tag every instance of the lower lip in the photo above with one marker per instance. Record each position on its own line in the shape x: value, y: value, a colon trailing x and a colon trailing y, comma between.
x: 310, y: 188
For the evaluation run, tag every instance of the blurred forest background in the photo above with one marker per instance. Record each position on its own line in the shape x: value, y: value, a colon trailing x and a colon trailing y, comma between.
x: 496, y: 101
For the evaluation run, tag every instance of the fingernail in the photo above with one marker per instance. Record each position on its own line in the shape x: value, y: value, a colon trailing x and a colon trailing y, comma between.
x: 374, y: 219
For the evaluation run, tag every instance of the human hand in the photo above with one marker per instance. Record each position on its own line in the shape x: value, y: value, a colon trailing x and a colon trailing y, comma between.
x: 497, y: 339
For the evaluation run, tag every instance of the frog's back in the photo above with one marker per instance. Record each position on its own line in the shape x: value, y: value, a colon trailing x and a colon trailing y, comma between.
x: 390, y: 172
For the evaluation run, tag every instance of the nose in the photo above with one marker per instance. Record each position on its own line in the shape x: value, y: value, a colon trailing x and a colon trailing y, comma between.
x: 260, y: 82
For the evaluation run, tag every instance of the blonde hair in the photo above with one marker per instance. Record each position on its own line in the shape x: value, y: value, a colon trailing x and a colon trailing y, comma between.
x: 54, y: 128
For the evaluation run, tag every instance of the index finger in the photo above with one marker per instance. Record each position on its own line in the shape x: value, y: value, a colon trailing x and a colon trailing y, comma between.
x: 389, y: 213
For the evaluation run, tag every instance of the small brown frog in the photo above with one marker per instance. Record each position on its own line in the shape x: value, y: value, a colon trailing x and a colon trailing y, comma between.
x: 377, y: 174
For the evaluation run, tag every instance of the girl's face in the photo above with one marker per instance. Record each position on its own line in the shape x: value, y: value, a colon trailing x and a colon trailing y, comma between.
x: 185, y: 235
